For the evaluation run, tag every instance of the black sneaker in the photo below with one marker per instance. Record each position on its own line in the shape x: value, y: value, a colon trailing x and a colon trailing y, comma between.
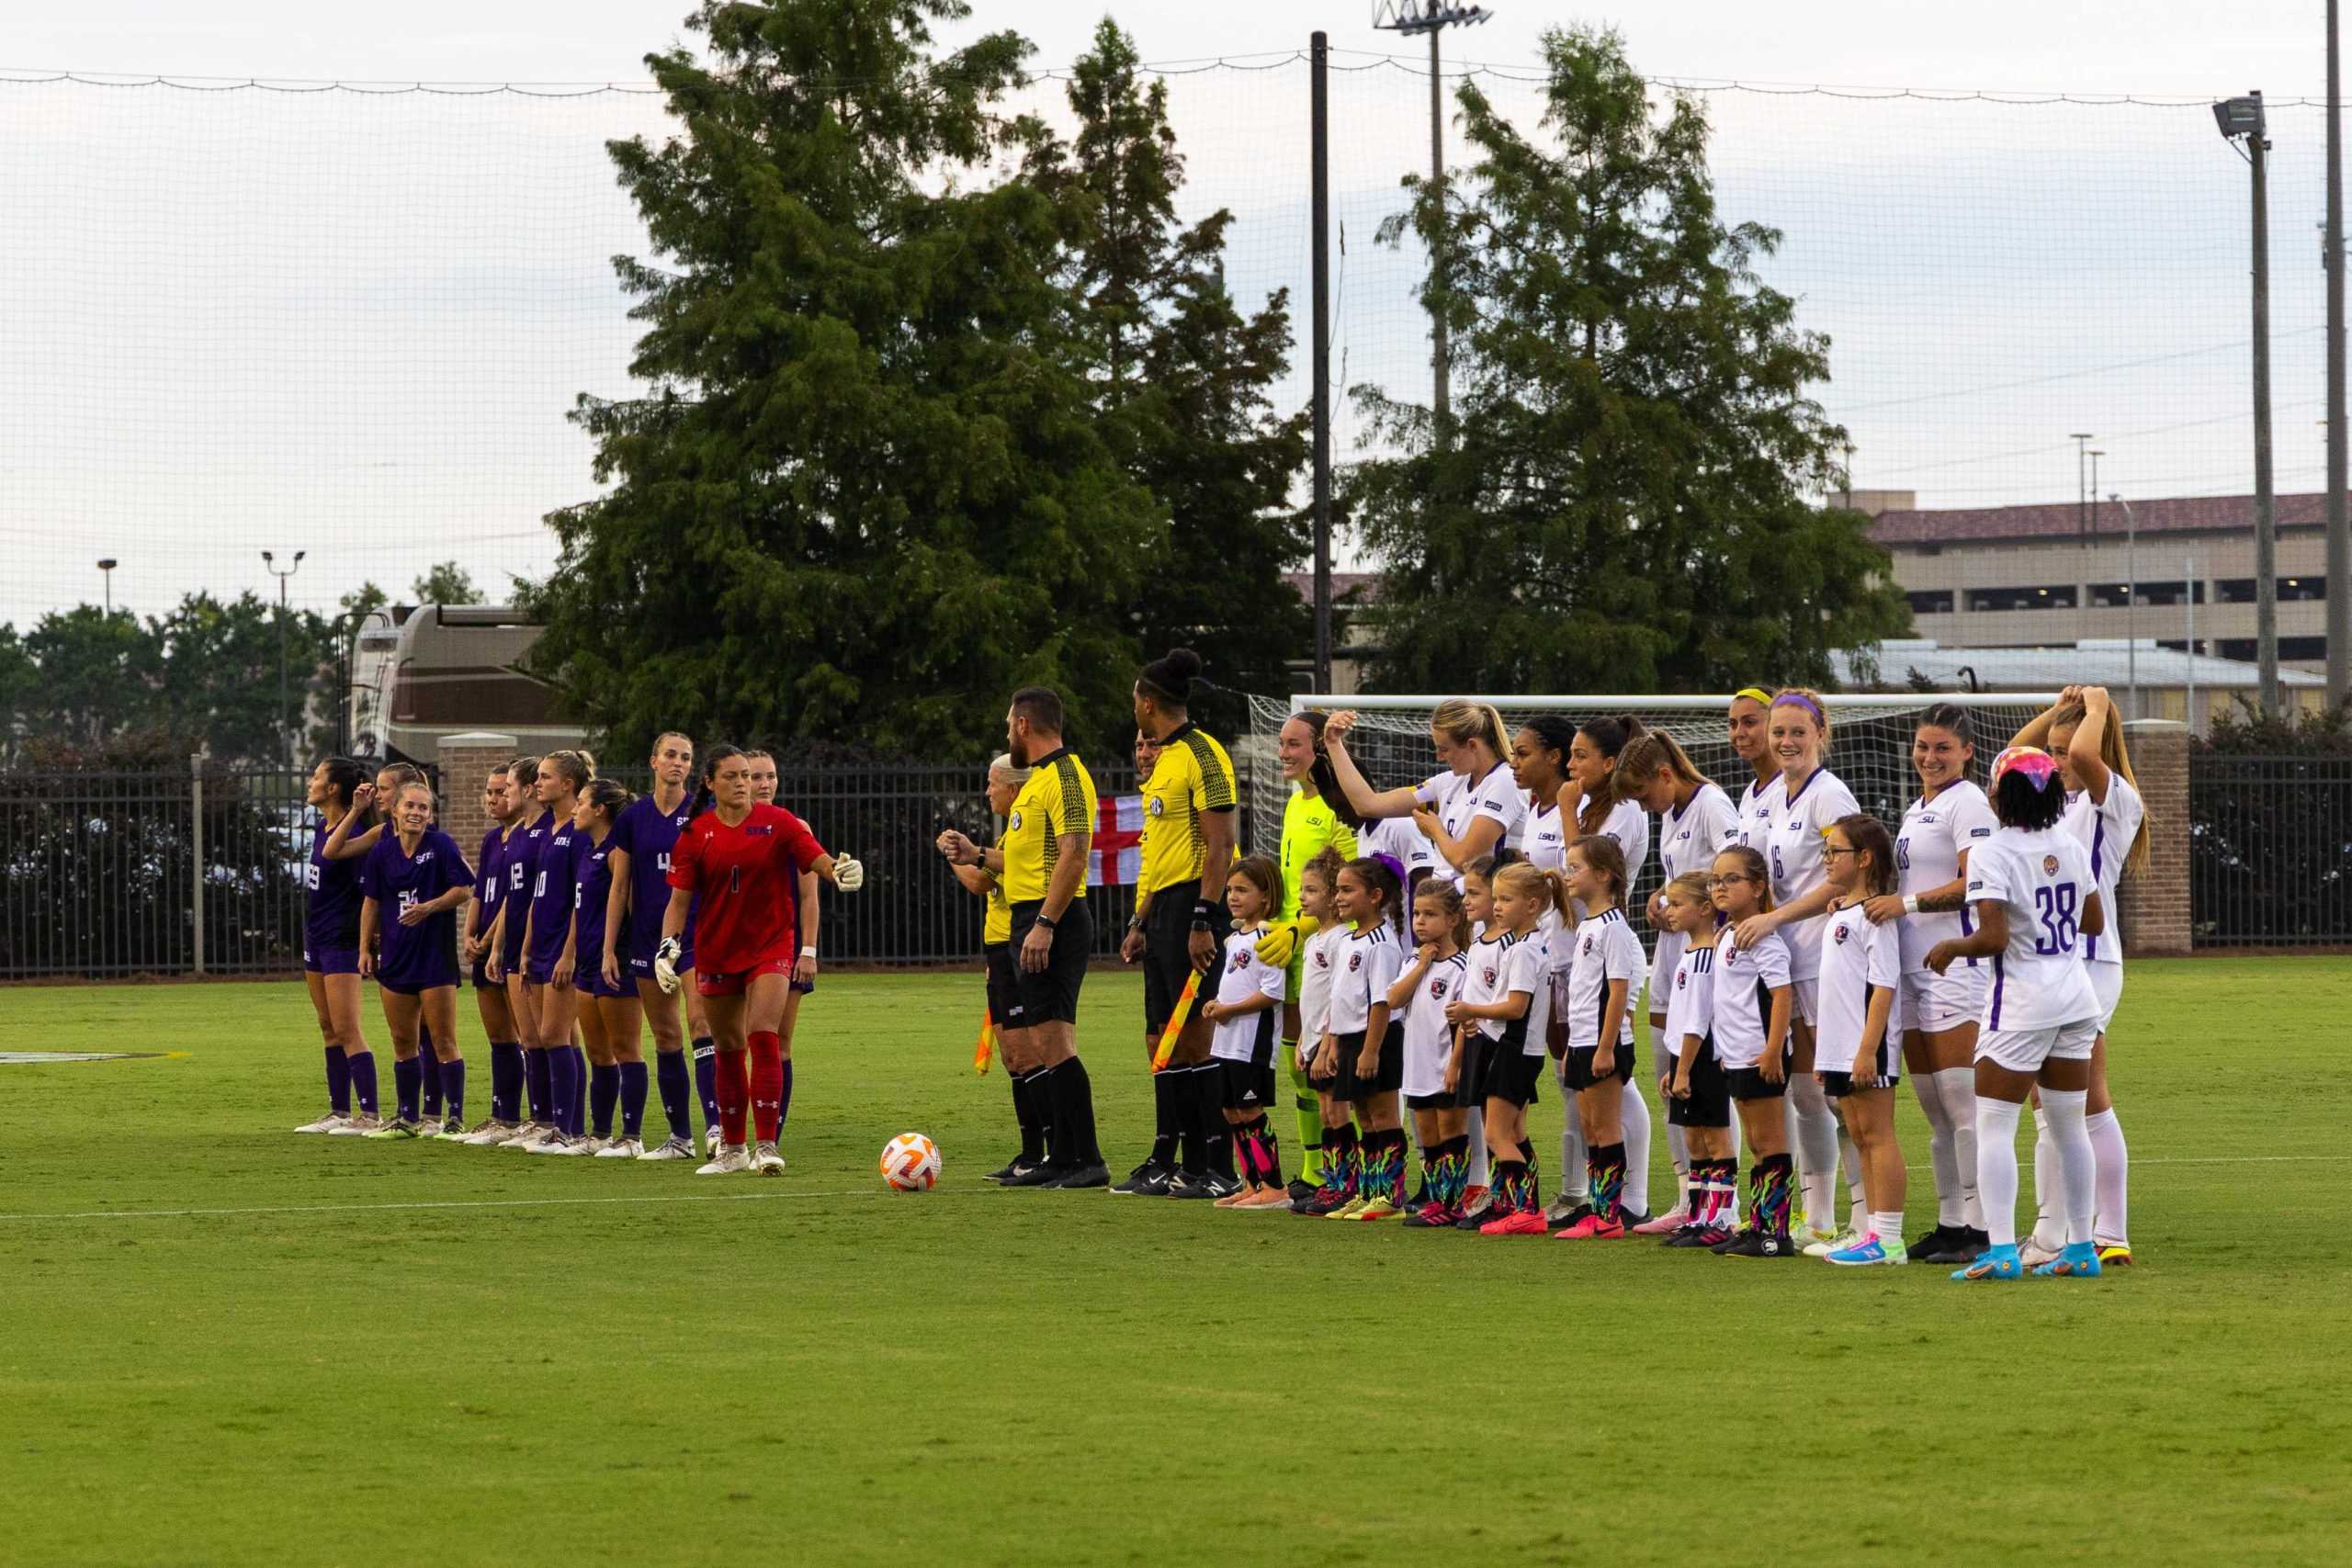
x: 1148, y: 1180
x: 1184, y: 1184
x: 1007, y: 1168
x: 1976, y: 1243
x: 1695, y: 1236
x: 1095, y: 1175
x: 1045, y: 1175
x: 1300, y: 1191
x: 1221, y: 1185
x: 1933, y: 1241
x: 1756, y: 1243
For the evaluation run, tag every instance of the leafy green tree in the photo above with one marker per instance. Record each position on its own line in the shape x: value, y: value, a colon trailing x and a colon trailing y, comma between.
x: 1183, y: 378
x: 100, y: 673
x: 867, y: 496
x: 221, y: 674
x: 1621, y: 502
x: 447, y: 583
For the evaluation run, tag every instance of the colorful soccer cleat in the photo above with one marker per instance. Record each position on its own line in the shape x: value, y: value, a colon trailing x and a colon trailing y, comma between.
x: 326, y: 1123
x: 731, y: 1159
x: 1870, y: 1249
x: 1997, y: 1263
x: 2079, y: 1261
x: 358, y: 1126
x: 1348, y: 1210
x: 1673, y: 1220
x: 1698, y: 1235
x: 1371, y: 1209
x: 395, y: 1129
x: 671, y: 1148
x: 1431, y: 1215
x: 2112, y: 1253
x: 1595, y: 1226
x: 1821, y: 1244
x: 1474, y: 1199
x: 1519, y: 1221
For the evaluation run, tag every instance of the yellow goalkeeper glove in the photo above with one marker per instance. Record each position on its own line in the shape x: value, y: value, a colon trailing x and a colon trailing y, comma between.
x: 1284, y: 937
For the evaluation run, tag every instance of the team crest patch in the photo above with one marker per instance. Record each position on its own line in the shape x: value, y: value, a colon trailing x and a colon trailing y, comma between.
x: 1355, y: 962
x: 1588, y: 947
x: 1155, y: 807
x: 1012, y: 823
x: 1488, y: 976
x: 2050, y: 865
x: 1842, y: 932
x: 1681, y: 981
x: 1240, y: 960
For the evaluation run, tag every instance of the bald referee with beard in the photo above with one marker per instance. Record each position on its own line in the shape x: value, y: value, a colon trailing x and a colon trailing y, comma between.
x: 1041, y: 863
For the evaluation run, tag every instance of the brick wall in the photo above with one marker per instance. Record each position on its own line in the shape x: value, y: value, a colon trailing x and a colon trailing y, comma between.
x: 465, y: 760
x: 2156, y: 906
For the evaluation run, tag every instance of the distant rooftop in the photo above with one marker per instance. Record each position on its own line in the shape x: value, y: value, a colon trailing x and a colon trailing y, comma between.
x: 2105, y: 662
x: 1342, y: 584
x: 2182, y: 514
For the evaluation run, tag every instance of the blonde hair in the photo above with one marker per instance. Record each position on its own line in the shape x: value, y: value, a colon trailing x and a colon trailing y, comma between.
x: 1520, y: 879
x: 1647, y: 753
x: 1463, y: 721
x: 576, y: 768
x: 1808, y: 699
x: 1691, y: 885
x: 2118, y: 761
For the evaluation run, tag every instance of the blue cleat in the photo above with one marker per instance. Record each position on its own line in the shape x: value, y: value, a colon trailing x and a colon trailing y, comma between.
x: 2079, y: 1261
x: 1870, y: 1250
x: 1997, y: 1263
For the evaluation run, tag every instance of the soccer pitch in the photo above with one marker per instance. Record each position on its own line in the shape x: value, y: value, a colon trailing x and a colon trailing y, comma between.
x: 226, y: 1344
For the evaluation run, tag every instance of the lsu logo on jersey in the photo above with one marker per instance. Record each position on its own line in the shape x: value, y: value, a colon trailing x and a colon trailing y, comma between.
x: 2050, y: 865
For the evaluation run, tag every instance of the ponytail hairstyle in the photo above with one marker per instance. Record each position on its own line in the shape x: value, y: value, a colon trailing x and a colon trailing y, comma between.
x: 574, y: 768
x: 1381, y: 878
x: 1463, y: 721
x: 404, y: 774
x: 1520, y: 877
x: 344, y: 775
x: 524, y: 770
x: 1553, y: 733
x: 2118, y: 761
x: 1869, y: 836
x: 1691, y: 885
x: 1751, y: 862
x: 1320, y: 773
x: 1170, y: 680
x: 1808, y: 699
x: 1644, y: 755
x: 2029, y: 789
x: 1610, y: 736
x: 607, y: 795
x: 1260, y: 873
x: 705, y: 797
x: 1441, y: 892
x: 1607, y: 856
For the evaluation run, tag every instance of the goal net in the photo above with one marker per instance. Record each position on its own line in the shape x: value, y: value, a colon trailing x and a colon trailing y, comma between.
x: 1869, y: 742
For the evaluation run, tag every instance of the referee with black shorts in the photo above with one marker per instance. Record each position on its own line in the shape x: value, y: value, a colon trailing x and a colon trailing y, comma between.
x: 1189, y: 833
x: 1041, y: 863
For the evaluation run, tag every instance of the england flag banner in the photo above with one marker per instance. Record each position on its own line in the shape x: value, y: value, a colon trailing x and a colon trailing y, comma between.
x: 1118, y: 860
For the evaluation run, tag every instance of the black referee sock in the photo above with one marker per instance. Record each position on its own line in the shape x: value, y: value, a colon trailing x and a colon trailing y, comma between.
x: 1166, y: 1117
x: 1025, y: 1110
x: 1074, y: 1114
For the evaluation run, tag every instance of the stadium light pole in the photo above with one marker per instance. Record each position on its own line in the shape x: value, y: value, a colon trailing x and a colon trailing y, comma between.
x: 2242, y: 121
x: 269, y: 564
x: 106, y: 570
x: 2336, y: 603
x: 1319, y: 179
x: 2081, y: 440
x: 2131, y: 603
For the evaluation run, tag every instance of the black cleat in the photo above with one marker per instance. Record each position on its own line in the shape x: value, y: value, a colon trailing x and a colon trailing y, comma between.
x: 1756, y: 1243
x: 1045, y: 1175
x: 1009, y: 1167
x: 1320, y: 1201
x: 1300, y: 1191
x: 1568, y: 1221
x: 1946, y: 1244
x: 1148, y: 1180
x: 1221, y: 1185
x: 1076, y: 1176
x: 1695, y: 1236
x: 1187, y: 1185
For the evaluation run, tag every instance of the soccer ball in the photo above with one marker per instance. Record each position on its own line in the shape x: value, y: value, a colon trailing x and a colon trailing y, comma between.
x: 911, y: 1163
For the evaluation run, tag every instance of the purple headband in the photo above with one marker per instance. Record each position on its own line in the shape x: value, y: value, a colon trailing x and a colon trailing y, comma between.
x: 1800, y: 700
x: 1395, y: 868
x: 2030, y: 760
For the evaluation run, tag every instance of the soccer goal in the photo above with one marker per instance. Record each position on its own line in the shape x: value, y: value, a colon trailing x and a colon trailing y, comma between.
x: 1870, y: 737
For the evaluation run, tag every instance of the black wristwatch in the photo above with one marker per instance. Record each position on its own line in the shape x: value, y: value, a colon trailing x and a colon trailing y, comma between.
x: 1202, y: 914
x: 1049, y: 925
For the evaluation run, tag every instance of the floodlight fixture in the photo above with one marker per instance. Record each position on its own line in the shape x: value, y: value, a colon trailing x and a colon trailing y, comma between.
x: 1412, y: 16
x: 2239, y: 117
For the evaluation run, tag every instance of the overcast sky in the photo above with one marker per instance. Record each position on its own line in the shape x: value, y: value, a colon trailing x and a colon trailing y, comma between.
x: 353, y: 324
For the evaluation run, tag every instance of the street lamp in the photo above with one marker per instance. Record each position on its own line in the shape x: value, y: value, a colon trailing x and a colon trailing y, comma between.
x: 107, y: 566
x: 269, y: 564
x: 1433, y: 16
x: 2081, y: 440
x: 2242, y: 121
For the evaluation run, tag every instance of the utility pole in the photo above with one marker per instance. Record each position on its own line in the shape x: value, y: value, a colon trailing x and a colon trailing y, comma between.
x: 2081, y: 440
x: 1319, y: 161
x: 269, y: 564
x: 2241, y: 119
x: 1433, y: 16
x: 2131, y: 605
x: 2336, y: 603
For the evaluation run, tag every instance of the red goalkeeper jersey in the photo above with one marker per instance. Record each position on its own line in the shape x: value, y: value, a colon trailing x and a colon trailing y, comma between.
x: 749, y: 876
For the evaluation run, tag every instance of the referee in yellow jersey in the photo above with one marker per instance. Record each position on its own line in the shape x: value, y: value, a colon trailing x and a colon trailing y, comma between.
x: 1042, y: 862
x: 1189, y: 805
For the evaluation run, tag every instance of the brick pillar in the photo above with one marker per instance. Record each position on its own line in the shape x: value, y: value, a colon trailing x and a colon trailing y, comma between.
x: 2156, y: 906
x: 465, y: 760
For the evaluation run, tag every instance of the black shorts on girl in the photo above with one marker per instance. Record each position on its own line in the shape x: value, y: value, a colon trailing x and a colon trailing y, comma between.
x: 1386, y: 1077
x: 1838, y: 1085
x: 1710, y: 1101
x: 1749, y: 1083
x: 1575, y: 1069
x: 1438, y: 1102
x: 1247, y: 1086
x: 1508, y: 1074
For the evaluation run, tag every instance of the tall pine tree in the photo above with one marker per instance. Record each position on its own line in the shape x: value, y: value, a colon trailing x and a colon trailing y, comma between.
x: 1183, y: 379
x: 1620, y: 503
x: 868, y: 495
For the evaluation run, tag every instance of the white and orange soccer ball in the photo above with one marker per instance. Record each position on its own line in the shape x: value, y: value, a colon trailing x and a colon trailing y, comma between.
x: 911, y: 1163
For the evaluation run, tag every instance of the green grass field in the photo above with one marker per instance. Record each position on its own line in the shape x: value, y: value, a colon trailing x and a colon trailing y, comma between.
x: 225, y: 1344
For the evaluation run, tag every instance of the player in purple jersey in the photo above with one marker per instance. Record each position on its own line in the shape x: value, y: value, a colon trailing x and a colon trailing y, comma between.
x: 642, y: 839
x: 609, y: 1079
x: 479, y: 950
x: 548, y: 959
x: 331, y: 951
x: 806, y: 910
x: 525, y: 840
x: 417, y: 875
x: 349, y: 840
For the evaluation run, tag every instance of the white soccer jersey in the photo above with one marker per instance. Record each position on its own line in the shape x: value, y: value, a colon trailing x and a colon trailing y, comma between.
x: 1795, y: 853
x: 1936, y: 834
x: 1461, y: 800
x: 1429, y: 1039
x: 1629, y: 826
x: 1688, y: 837
x: 1544, y: 835
x: 1744, y: 979
x: 1691, y: 1001
x: 1858, y: 958
x: 1604, y: 948
x: 1526, y: 967
x: 1320, y: 968
x: 2106, y: 831
x: 1397, y: 838
x: 1242, y: 975
x: 1751, y: 822
x: 1368, y: 966
x: 2043, y: 881
x: 1489, y: 964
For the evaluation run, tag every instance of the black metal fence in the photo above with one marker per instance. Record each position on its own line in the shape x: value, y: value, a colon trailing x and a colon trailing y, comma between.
x: 2270, y: 850
x: 99, y: 872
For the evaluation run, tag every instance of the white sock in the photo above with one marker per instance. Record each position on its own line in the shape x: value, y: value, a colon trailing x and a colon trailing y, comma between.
x: 2049, y: 1202
x: 1633, y: 1113
x: 2111, y: 1225
x: 1956, y: 1086
x: 1942, y: 1151
x: 1476, y: 1175
x: 1677, y: 1149
x: 1888, y: 1228
x: 1576, y: 1182
x: 2070, y: 1142
x: 1996, y: 1168
x: 1817, y: 1151
x: 1857, y: 1204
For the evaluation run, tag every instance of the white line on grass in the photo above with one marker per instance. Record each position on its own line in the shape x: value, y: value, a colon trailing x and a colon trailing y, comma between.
x: 773, y: 1197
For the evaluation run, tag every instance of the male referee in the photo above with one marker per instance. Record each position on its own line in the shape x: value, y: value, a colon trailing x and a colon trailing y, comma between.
x: 1188, y: 806
x: 1042, y: 863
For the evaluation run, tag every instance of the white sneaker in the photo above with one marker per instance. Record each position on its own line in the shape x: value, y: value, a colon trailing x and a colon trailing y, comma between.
x: 621, y: 1148
x: 563, y: 1146
x: 766, y: 1160
x: 358, y: 1126
x: 530, y: 1135
x: 2033, y: 1254
x: 488, y: 1135
x: 597, y: 1143
x: 671, y: 1148
x: 326, y: 1123
x: 710, y: 1143
x: 1825, y: 1243
x: 732, y: 1158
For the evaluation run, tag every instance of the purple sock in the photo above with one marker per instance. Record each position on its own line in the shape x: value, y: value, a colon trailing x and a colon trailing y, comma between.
x: 562, y: 1078
x: 338, y: 1081
x: 428, y: 1066
x: 632, y: 1099
x: 706, y: 1078
x: 539, y: 1068
x: 361, y: 1067
x: 578, y: 1126
x: 453, y: 1089
x: 783, y: 1101
x: 505, y: 1081
x: 670, y: 1068
x: 407, y: 1076
x: 604, y: 1093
